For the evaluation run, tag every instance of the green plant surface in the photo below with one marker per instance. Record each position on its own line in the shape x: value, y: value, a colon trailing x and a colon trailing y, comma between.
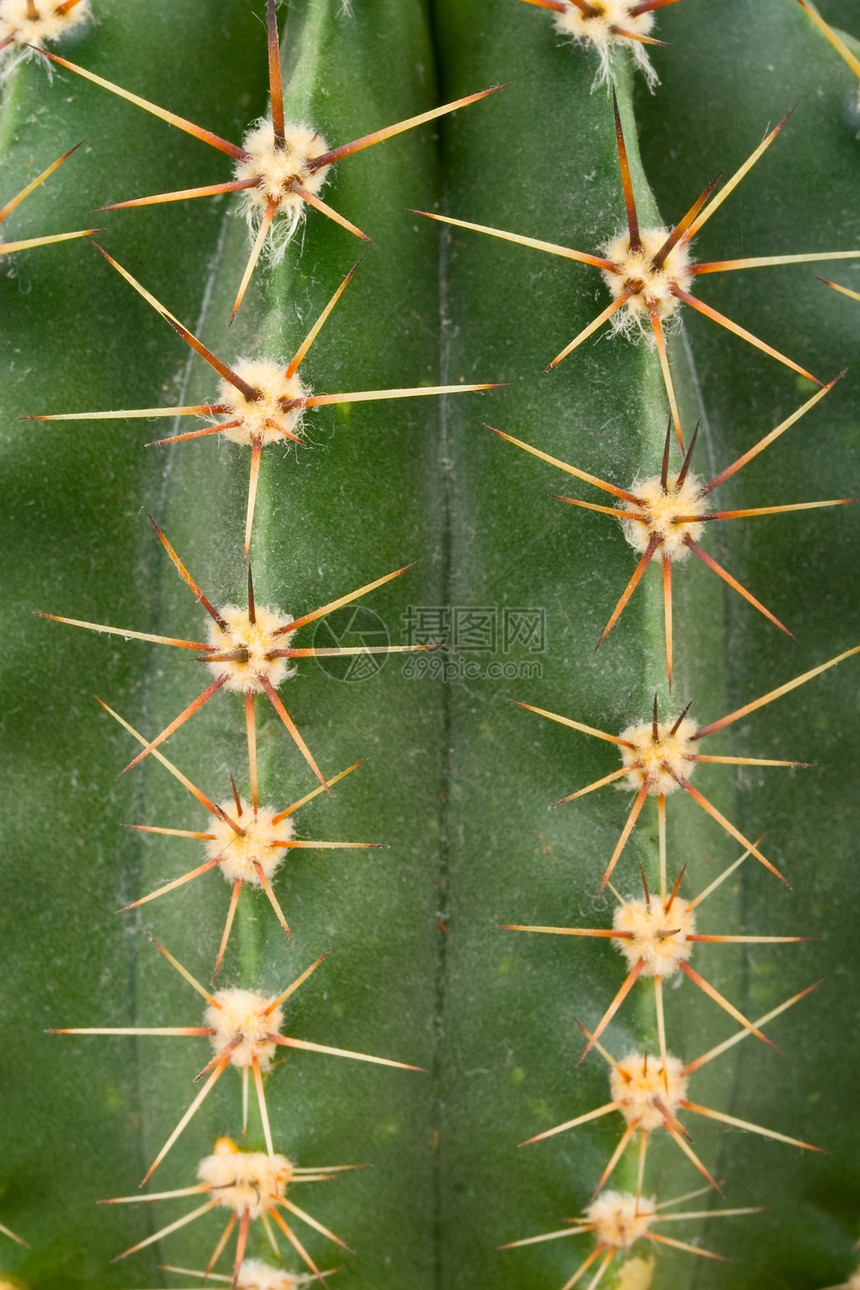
x: 457, y: 779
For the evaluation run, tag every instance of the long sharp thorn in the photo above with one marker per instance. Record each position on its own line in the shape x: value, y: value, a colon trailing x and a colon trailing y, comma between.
x: 653, y: 543
x: 734, y: 584
x: 253, y: 479
x: 204, y: 1092
x: 744, y: 1034
x: 608, y: 1255
x: 626, y: 181
x: 5, y: 1230
x: 635, y: 35
x: 736, y: 178
x: 324, y: 209
x: 289, y: 1042
x: 655, y: 723
x: 571, y: 470
x: 770, y: 510
x: 685, y: 1245
x: 590, y: 788
x: 714, y: 994
x: 261, y: 1101
x: 377, y: 136
x: 316, y: 791
x: 769, y: 438
x: 854, y: 295
x: 751, y: 1128
x: 256, y: 249
x: 630, y: 980
x: 222, y: 369
x: 593, y: 326
x: 125, y: 632
x: 851, y: 59
x: 664, y: 469
x: 188, y: 126
x: 661, y: 1029
x: 293, y: 729
x: 767, y: 261
x: 717, y: 317
x: 225, y: 936
x: 236, y: 798
x: 774, y: 694
x: 298, y: 357
x: 181, y: 195
x: 683, y: 224
x: 667, y: 907
x: 297, y: 1245
x: 193, y: 434
x: 273, y: 900
x: 553, y: 1236
x: 553, y: 248
x: 616, y: 1156
x: 730, y: 828
x: 150, y: 745
x: 34, y: 183
x: 7, y: 248
x: 186, y: 577
x: 183, y: 972
x: 312, y: 1222
x: 645, y: 6
x: 677, y: 726
x: 251, y: 729
x: 343, y: 600
x: 682, y: 474
x: 165, y: 1231
x: 414, y: 392
x: 667, y: 612
x: 175, y: 772
x: 660, y: 341
x: 241, y: 1241
x: 220, y: 1246
x: 171, y: 886
x: 691, y: 1155
x: 294, y: 985
x: 276, y: 85
x: 575, y: 725
x: 572, y: 1124
x: 628, y: 828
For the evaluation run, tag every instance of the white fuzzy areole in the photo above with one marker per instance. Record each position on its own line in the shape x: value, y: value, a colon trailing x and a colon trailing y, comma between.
x: 241, y: 1015
x: 48, y: 25
x: 654, y: 760
x: 244, y: 1180
x: 651, y: 284
x: 638, y: 1085
x: 268, y: 418
x: 600, y: 30
x: 618, y: 1219
x: 650, y: 943
x: 274, y: 170
x: 662, y: 509
x: 236, y: 854
x: 256, y: 1275
x: 253, y: 641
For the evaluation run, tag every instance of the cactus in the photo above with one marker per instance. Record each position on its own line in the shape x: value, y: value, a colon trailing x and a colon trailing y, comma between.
x: 456, y: 778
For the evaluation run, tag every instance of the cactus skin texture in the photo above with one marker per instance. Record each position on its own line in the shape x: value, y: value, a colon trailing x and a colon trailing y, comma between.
x: 457, y: 779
